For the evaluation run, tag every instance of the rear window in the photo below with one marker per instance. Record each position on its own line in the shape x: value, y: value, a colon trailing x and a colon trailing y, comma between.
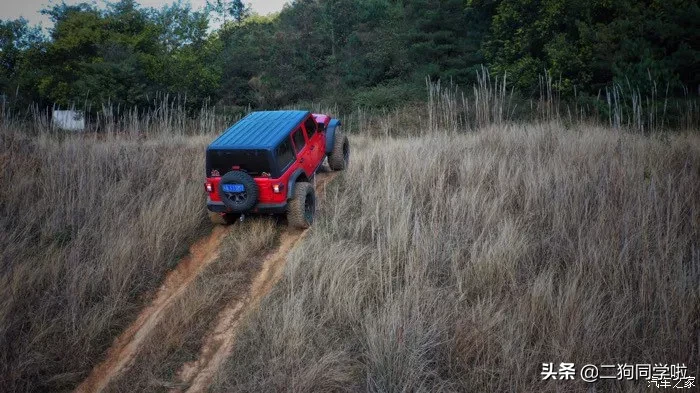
x: 285, y: 155
x: 255, y: 162
x: 299, y: 141
x: 310, y: 125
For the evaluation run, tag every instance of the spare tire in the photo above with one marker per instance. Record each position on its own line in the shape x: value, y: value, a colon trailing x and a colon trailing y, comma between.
x: 238, y: 191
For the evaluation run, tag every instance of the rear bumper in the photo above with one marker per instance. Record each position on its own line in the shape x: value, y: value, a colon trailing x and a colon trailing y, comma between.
x: 260, y: 208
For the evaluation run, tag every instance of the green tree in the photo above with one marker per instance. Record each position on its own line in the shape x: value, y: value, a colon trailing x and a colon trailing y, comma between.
x: 445, y: 38
x: 589, y: 44
x: 20, y: 44
x: 235, y: 9
x: 126, y: 55
x: 246, y: 56
x: 369, y: 52
x: 189, y: 67
x: 96, y: 56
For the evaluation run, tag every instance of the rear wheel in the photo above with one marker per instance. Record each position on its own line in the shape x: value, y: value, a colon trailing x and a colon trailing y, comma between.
x: 340, y: 155
x: 302, y: 208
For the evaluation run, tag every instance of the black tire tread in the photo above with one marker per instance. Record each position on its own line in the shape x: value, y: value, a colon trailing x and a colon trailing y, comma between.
x: 295, y: 208
x: 336, y: 160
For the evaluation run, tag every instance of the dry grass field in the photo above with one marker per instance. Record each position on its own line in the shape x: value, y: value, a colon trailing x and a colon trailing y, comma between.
x: 88, y: 228
x: 447, y: 258
x: 455, y: 262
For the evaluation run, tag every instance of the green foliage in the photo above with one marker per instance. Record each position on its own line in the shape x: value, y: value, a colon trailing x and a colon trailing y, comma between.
x: 445, y: 39
x: 347, y: 52
x: 20, y: 45
x: 388, y: 96
x: 234, y: 9
x: 125, y: 55
x: 590, y: 44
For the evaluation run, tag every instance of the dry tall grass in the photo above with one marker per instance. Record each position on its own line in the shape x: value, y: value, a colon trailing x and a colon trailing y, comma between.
x: 453, y: 262
x: 442, y: 260
x: 88, y: 226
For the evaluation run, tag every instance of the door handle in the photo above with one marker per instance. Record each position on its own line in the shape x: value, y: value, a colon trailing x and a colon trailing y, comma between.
x: 301, y: 160
x: 313, y: 147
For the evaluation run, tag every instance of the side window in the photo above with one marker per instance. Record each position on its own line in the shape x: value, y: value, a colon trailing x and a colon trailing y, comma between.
x: 299, y: 142
x: 310, y: 125
x: 284, y: 153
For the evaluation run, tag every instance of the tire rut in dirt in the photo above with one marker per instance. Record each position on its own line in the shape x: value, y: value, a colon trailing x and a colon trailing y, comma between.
x: 126, y: 346
x: 219, y: 343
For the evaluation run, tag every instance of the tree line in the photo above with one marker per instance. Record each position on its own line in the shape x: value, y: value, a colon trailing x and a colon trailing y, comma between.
x: 372, y: 53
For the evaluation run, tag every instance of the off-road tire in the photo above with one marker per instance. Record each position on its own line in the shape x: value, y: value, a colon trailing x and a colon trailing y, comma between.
x: 239, y: 202
x: 340, y: 155
x: 298, y: 213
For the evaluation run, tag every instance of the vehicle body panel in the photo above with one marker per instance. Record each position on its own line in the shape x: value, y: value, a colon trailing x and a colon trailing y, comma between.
x: 265, y: 131
x: 330, y: 134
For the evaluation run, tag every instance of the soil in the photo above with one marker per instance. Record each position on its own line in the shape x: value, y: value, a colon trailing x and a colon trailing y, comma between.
x: 218, y: 343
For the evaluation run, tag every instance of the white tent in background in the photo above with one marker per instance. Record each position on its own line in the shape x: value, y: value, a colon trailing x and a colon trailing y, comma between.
x: 68, y: 120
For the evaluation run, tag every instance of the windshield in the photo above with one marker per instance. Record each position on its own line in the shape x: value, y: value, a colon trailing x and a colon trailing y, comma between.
x: 255, y: 162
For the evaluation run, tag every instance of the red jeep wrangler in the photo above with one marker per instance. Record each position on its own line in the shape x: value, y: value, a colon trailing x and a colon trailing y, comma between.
x: 266, y: 162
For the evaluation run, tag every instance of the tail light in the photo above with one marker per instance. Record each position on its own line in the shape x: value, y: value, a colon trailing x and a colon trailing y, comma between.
x: 209, y: 187
x: 277, y: 188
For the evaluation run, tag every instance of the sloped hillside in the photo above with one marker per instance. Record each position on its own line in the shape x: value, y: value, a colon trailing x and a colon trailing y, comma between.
x: 465, y: 261
x: 88, y: 227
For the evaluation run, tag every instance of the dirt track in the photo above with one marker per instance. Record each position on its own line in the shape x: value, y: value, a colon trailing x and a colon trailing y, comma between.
x: 219, y: 342
x: 126, y: 346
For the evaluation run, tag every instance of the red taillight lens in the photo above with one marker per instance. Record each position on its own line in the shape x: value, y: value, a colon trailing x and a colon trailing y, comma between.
x: 209, y: 187
x: 277, y: 188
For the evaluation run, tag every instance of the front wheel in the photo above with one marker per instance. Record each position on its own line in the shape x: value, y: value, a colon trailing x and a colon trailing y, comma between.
x: 340, y: 155
x: 301, y: 208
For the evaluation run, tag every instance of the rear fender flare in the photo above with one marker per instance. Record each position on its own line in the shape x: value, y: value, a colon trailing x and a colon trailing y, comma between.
x: 330, y: 135
x: 293, y: 180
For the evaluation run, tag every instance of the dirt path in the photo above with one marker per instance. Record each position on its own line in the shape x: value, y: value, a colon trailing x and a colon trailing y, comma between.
x: 125, y: 347
x: 219, y: 343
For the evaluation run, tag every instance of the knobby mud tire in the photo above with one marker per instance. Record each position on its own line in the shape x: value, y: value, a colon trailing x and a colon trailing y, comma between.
x: 340, y: 155
x: 299, y: 213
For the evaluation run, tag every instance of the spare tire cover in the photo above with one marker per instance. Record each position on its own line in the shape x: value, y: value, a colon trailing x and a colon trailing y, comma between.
x: 238, y: 191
